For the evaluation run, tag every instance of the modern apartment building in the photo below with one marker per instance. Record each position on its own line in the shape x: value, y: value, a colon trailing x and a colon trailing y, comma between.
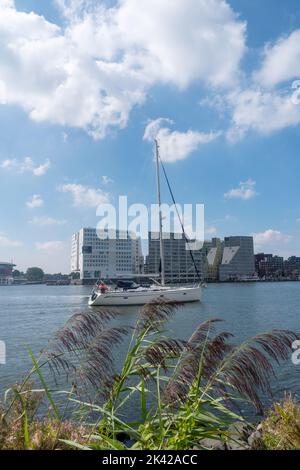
x: 238, y: 259
x: 179, y: 266
x: 212, y: 257
x: 97, y: 255
x: 6, y: 277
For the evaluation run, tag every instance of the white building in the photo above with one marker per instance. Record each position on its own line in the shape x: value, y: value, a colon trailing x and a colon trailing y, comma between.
x: 94, y: 257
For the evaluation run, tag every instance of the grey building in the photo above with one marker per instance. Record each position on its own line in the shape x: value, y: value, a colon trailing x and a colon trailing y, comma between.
x: 6, y: 277
x: 212, y: 257
x: 292, y: 266
x: 179, y: 266
x: 94, y: 257
x: 238, y: 259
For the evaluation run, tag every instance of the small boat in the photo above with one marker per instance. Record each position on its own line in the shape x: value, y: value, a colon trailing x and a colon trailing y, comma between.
x: 136, y: 294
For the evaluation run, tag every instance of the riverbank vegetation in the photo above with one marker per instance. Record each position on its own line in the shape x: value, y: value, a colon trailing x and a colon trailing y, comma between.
x: 185, y: 393
x: 281, y: 428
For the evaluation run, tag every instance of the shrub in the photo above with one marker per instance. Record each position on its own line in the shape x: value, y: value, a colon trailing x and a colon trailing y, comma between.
x: 281, y: 428
x: 20, y: 429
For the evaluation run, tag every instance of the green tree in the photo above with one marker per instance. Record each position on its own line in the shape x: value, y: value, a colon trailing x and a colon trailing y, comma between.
x: 34, y: 274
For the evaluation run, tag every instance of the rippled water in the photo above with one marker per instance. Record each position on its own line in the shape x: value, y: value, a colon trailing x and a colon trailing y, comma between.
x: 29, y: 315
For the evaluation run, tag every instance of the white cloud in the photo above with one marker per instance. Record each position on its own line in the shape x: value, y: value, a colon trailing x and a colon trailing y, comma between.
x: 267, y: 104
x: 35, y: 201
x: 50, y: 246
x: 262, y: 111
x: 176, y: 145
x: 85, y: 196
x: 153, y: 127
x: 26, y: 165
x: 106, y: 180
x: 245, y: 191
x: 76, y: 9
x: 46, y: 221
x: 271, y: 237
x: 8, y: 164
x: 91, y: 72
x: 281, y: 61
x: 7, y: 243
x: 42, y: 169
x: 7, y: 3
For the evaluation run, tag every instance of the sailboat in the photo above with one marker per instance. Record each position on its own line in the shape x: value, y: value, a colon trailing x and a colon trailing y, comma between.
x: 131, y: 293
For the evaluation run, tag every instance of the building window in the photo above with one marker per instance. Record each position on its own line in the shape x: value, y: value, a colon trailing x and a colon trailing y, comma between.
x: 86, y: 249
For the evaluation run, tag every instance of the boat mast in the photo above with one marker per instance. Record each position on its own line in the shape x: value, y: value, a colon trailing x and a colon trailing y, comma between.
x: 162, y: 258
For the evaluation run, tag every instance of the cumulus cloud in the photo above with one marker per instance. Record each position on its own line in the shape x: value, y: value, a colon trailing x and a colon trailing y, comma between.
x: 7, y: 4
x: 261, y: 111
x: 281, y: 61
x: 42, y: 169
x: 26, y: 165
x: 270, y: 99
x: 46, y: 221
x: 268, y: 104
x: 35, y: 201
x: 7, y: 243
x: 76, y: 9
x: 50, y: 246
x: 84, y: 196
x: 91, y: 72
x: 8, y: 164
x: 245, y: 191
x: 176, y: 145
x: 271, y: 237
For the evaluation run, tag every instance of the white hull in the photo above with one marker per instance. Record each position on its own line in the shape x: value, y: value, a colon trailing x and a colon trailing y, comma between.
x: 143, y: 296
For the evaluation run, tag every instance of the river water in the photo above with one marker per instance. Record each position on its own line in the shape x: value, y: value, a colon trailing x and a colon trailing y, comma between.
x: 30, y: 315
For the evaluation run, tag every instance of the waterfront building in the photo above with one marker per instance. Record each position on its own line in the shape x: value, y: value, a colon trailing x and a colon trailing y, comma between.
x: 238, y: 259
x: 179, y: 266
x: 257, y: 259
x: 212, y: 255
x: 93, y: 256
x: 6, y: 277
x: 292, y: 267
x: 270, y: 266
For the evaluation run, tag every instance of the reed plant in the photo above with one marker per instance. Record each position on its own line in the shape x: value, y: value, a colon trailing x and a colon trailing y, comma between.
x: 186, y: 391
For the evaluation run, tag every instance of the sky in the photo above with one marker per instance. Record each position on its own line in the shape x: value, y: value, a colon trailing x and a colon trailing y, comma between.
x: 85, y: 87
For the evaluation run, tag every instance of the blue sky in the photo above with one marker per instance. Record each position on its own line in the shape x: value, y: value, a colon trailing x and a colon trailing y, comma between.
x: 81, y: 81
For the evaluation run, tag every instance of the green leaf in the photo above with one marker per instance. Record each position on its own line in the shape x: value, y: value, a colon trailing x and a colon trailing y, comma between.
x: 47, y: 391
x: 75, y: 444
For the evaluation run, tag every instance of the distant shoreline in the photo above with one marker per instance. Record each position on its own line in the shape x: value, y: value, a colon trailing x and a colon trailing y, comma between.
x: 79, y: 284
